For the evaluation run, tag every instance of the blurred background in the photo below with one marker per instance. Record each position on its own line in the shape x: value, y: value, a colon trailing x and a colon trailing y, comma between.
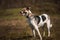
x: 13, y: 26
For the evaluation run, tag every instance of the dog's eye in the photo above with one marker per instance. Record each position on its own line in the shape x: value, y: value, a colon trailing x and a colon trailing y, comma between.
x: 24, y: 12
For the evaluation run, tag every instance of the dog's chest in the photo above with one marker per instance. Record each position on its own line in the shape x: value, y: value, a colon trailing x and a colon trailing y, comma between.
x: 30, y: 21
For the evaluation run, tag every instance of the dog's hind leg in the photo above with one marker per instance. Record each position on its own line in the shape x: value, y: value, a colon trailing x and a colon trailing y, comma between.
x: 49, y: 26
x: 43, y: 32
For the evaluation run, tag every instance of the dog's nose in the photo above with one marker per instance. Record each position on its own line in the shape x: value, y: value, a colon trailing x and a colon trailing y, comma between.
x: 20, y: 13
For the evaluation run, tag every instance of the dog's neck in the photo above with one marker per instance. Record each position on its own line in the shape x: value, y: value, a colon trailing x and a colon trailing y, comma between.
x: 30, y: 16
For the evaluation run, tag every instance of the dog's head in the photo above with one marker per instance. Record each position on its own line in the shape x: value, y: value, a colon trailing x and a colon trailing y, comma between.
x: 25, y: 11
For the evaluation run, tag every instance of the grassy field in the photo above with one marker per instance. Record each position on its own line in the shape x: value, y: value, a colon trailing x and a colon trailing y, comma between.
x: 15, y: 27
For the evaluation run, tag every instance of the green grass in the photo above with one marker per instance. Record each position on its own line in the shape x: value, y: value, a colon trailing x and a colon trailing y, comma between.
x: 10, y: 13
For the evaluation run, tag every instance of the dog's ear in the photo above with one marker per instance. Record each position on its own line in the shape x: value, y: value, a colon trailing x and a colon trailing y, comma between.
x: 28, y: 8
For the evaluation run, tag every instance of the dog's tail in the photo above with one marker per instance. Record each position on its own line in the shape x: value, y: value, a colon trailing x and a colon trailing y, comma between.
x: 49, y: 21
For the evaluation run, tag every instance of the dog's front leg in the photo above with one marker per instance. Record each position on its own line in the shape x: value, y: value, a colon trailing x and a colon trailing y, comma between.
x: 38, y: 33
x: 33, y: 30
x: 36, y: 28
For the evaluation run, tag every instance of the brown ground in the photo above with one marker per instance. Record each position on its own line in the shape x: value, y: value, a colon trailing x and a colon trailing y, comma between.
x: 18, y: 30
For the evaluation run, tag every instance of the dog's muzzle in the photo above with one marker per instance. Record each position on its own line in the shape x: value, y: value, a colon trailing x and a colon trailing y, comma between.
x: 21, y: 12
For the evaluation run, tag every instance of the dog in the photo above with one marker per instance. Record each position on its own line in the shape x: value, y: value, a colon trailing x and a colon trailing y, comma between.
x: 36, y: 21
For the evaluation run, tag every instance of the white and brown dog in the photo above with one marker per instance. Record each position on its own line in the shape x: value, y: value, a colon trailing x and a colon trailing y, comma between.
x: 36, y: 21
